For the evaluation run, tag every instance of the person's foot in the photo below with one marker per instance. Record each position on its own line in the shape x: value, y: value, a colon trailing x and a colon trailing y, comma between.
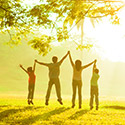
x: 60, y: 102
x: 91, y: 107
x: 97, y: 107
x: 73, y: 105
x: 31, y: 102
x: 46, y: 103
x: 28, y: 102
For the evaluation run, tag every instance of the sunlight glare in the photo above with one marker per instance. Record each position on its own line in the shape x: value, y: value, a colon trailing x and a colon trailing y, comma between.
x: 110, y: 38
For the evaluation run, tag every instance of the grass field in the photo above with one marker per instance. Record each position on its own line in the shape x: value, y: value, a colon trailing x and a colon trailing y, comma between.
x: 15, y: 111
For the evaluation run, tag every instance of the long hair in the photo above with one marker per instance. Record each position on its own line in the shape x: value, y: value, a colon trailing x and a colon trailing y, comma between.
x: 78, y: 65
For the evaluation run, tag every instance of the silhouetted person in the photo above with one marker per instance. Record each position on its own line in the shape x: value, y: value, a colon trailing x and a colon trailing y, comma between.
x: 54, y: 71
x: 31, y: 86
x: 77, y: 79
x: 94, y: 87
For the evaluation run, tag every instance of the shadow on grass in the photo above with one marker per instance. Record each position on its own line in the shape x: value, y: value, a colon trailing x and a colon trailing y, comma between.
x: 8, y: 112
x: 78, y: 114
x: 2, y: 106
x: 115, y: 107
x: 47, y: 115
x: 44, y: 116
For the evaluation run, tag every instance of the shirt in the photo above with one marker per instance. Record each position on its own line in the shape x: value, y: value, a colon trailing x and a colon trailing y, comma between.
x: 54, y: 69
x: 32, y: 77
x: 77, y: 74
x: 94, y: 79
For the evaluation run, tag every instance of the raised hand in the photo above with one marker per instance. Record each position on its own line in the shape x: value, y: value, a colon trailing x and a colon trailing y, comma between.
x: 95, y: 60
x: 20, y: 65
x: 36, y: 60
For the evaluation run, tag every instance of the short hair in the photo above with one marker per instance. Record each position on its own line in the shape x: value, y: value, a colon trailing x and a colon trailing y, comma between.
x: 96, y: 70
x: 54, y: 59
x: 29, y: 69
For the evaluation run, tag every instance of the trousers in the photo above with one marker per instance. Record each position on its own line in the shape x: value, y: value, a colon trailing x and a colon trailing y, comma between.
x: 94, y: 93
x: 56, y: 82
x: 77, y: 84
x: 31, y: 88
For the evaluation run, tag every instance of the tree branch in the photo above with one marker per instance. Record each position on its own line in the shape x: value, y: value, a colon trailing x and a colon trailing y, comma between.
x: 81, y: 17
x: 107, y: 13
x: 60, y: 14
x: 5, y: 9
x: 107, y: 1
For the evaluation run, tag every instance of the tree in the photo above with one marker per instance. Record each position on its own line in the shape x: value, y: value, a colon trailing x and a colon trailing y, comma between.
x: 58, y: 17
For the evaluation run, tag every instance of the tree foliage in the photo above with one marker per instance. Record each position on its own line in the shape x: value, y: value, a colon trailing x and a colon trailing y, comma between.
x: 58, y: 17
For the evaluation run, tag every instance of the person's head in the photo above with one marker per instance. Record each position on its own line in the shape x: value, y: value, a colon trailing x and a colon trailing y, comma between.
x: 96, y: 71
x: 29, y: 69
x: 54, y: 59
x: 78, y: 64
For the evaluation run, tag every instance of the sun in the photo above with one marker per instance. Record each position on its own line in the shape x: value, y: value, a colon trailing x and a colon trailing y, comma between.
x: 110, y: 39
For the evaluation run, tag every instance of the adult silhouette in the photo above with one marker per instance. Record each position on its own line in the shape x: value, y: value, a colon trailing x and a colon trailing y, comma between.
x: 77, y: 79
x: 54, y: 71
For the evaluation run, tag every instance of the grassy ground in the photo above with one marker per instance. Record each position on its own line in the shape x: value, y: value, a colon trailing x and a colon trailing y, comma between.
x: 15, y: 111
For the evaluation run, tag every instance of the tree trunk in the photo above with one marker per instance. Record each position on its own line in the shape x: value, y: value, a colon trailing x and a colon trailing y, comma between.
x: 82, y: 34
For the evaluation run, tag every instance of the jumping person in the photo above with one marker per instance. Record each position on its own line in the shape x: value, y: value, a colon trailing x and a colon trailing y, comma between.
x: 94, y: 87
x: 54, y: 71
x: 31, y: 86
x: 77, y: 79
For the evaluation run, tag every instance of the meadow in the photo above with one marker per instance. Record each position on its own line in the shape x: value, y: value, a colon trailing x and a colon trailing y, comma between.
x: 15, y: 111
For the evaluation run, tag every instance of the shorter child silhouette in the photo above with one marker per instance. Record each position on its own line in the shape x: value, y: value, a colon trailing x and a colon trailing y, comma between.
x: 31, y: 86
x: 94, y: 87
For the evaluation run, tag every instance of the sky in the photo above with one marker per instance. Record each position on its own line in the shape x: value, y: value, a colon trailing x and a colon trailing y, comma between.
x: 109, y: 38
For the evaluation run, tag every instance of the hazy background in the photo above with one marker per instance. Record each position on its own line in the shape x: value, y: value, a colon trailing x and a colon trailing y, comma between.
x: 13, y: 80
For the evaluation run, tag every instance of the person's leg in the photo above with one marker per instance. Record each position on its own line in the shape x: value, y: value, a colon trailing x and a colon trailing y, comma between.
x: 58, y: 90
x: 79, y: 93
x: 49, y: 91
x: 32, y: 92
x: 96, y: 98
x: 74, y: 93
x: 91, y: 97
x: 29, y: 93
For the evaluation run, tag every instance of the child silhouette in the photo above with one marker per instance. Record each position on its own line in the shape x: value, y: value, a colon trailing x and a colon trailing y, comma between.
x: 94, y: 87
x: 31, y: 86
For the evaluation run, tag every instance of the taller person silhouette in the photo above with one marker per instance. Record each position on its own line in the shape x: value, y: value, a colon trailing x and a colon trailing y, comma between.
x: 77, y: 79
x: 54, y: 71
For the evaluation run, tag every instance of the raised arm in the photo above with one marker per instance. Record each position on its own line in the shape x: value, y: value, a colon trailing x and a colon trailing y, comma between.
x: 70, y: 58
x: 34, y: 66
x: 63, y: 58
x: 83, y: 67
x: 41, y: 63
x: 94, y: 66
x: 23, y: 68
